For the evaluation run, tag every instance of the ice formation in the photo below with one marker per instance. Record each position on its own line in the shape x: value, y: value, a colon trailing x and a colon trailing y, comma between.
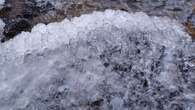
x: 2, y: 3
x: 108, y: 60
x: 2, y: 25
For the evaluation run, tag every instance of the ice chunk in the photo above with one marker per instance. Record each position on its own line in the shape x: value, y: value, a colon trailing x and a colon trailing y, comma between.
x: 104, y: 60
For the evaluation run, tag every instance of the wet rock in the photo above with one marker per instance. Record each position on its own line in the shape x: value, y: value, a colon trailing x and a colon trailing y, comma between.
x: 13, y: 28
x: 190, y: 24
x: 16, y: 14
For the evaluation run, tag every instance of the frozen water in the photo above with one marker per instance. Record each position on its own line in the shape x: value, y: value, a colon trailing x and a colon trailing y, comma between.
x: 2, y: 3
x: 108, y: 60
x: 2, y: 25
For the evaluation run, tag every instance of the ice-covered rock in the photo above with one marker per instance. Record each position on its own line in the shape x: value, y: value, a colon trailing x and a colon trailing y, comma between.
x: 108, y: 60
x: 58, y: 4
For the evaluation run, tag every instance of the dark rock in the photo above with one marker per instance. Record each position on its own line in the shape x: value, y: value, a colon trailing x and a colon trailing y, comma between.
x: 15, y: 27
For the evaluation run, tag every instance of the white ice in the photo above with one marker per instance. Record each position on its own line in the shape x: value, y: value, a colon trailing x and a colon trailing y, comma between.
x: 2, y: 3
x: 32, y: 59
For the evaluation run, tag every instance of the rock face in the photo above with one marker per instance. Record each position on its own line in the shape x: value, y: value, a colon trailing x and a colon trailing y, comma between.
x: 108, y: 60
x: 15, y: 28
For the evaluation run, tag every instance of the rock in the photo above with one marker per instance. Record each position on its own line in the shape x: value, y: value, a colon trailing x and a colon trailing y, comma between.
x: 15, y: 27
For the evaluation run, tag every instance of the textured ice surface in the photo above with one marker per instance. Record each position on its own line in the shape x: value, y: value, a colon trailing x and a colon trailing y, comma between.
x: 2, y: 24
x: 2, y: 3
x: 108, y: 60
